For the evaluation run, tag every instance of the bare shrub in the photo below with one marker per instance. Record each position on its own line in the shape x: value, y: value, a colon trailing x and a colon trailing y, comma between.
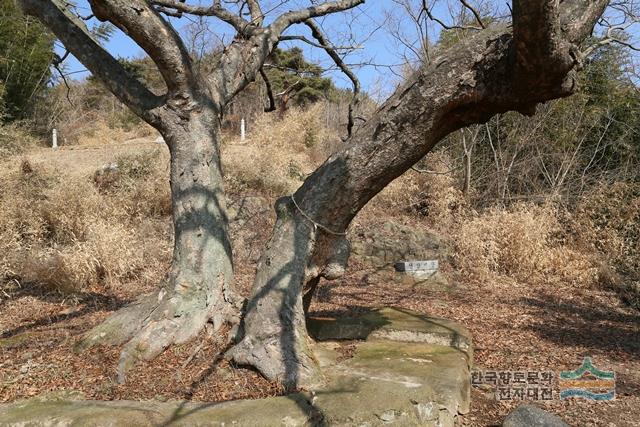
x: 427, y: 191
x: 608, y: 221
x: 16, y: 140
x: 138, y: 165
x: 523, y: 244
x: 149, y: 197
x: 87, y: 115
x: 107, y: 177
x: 127, y: 170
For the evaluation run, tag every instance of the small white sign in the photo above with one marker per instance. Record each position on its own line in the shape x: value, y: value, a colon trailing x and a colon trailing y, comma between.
x: 430, y: 265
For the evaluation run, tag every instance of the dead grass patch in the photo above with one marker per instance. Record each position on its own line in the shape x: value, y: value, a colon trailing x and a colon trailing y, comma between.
x: 64, y: 233
x: 279, y: 153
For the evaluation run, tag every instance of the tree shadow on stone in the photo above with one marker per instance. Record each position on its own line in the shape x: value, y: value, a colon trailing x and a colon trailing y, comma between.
x: 291, y: 298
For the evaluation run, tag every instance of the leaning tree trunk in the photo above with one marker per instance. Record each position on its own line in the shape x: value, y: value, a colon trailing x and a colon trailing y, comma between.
x: 197, y: 289
x: 482, y: 76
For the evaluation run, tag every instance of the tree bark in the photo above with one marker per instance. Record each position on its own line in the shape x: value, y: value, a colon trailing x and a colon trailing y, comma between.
x: 198, y: 288
x: 276, y: 340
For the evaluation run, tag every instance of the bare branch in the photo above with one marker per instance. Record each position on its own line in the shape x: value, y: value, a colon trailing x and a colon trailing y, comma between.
x: 311, y: 43
x: 285, y: 20
x: 611, y: 38
x: 215, y: 10
x: 433, y: 172
x: 475, y: 13
x: 168, y: 11
x: 316, y: 32
x: 72, y: 31
x: 243, y: 59
x: 427, y: 11
x: 579, y: 17
x: 56, y: 64
x: 256, y: 12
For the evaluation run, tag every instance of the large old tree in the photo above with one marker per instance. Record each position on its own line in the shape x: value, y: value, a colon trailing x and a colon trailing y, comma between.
x: 503, y: 67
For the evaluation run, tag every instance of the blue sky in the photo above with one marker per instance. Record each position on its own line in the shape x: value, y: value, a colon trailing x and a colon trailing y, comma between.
x: 376, y: 62
x: 378, y: 28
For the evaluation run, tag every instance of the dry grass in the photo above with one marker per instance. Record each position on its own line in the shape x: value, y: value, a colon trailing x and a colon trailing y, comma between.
x: 108, y: 228
x: 432, y: 197
x: 65, y: 233
x: 608, y: 223
x: 88, y: 115
x: 93, y: 131
x: 522, y: 244
x: 526, y: 243
x: 279, y: 154
x: 15, y: 140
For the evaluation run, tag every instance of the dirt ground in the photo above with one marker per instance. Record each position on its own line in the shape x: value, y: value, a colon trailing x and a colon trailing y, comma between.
x: 515, y: 328
x: 524, y: 329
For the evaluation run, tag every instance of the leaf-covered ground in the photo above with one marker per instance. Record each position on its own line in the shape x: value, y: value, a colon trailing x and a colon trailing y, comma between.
x: 514, y: 328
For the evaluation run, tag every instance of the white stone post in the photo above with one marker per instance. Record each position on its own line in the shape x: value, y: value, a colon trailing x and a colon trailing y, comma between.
x: 243, y: 132
x: 54, y: 139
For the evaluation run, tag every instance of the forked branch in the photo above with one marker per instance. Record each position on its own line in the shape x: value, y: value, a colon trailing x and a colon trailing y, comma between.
x: 139, y: 20
x: 215, y: 10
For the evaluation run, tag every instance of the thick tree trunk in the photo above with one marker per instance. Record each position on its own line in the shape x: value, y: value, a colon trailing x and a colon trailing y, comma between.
x: 198, y: 286
x: 464, y: 85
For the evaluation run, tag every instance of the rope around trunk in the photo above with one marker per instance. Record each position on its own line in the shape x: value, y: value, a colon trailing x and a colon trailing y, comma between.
x: 316, y: 224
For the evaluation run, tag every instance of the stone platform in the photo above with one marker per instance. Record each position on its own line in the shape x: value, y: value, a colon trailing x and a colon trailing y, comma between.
x: 407, y: 369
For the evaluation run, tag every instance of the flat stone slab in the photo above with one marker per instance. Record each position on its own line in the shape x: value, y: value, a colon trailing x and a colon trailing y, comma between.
x: 402, y: 384
x: 395, y: 325
x: 411, y: 370
x: 293, y: 410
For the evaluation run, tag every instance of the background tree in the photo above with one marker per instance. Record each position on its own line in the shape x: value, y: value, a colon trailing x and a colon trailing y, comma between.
x: 295, y: 80
x: 26, y: 54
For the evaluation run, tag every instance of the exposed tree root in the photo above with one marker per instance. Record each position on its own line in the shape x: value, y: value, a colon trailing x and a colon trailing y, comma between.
x: 292, y: 365
x: 156, y: 321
